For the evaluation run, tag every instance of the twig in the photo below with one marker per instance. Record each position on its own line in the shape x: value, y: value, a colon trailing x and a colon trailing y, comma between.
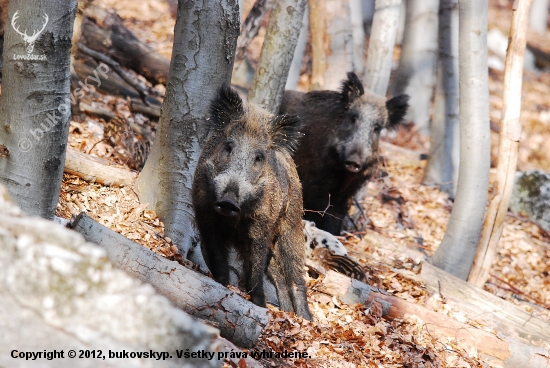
x: 518, y: 291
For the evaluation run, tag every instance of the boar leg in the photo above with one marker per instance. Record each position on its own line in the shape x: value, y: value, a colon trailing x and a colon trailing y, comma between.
x: 255, y: 266
x: 290, y: 254
x: 276, y: 274
x: 214, y: 251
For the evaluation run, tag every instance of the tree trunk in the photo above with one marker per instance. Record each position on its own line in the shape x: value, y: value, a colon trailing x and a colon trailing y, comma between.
x: 205, y: 37
x: 283, y: 30
x: 457, y: 250
x: 250, y: 28
x: 358, y: 36
x: 382, y: 42
x: 35, y: 106
x: 239, y: 320
x: 415, y: 75
x: 510, y: 134
x: 442, y: 167
x: 332, y: 43
x: 296, y: 65
x: 538, y: 16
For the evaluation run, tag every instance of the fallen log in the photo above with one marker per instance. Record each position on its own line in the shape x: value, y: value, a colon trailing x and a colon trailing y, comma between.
x: 487, y: 308
x: 96, y: 170
x: 501, y: 350
x: 239, y: 321
x: 105, y: 32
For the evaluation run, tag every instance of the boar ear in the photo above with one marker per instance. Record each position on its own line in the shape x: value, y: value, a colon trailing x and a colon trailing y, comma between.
x: 397, y: 109
x: 285, y: 131
x: 352, y: 89
x: 227, y: 106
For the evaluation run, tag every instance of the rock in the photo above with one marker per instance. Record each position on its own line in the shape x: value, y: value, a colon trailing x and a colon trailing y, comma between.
x: 58, y: 292
x: 531, y: 196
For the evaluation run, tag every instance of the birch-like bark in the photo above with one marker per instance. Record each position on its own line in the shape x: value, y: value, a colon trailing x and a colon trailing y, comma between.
x: 358, y: 36
x: 331, y: 43
x: 538, y: 16
x: 283, y: 30
x: 415, y: 75
x: 381, y: 45
x: 205, y: 37
x: 442, y: 167
x: 296, y: 65
x: 35, y: 106
x: 510, y: 134
x: 457, y: 250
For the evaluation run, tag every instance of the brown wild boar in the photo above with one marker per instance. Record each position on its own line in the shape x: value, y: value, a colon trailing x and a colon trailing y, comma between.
x: 339, y: 152
x: 248, y: 200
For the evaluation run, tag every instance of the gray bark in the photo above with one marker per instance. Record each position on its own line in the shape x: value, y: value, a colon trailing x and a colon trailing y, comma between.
x: 296, y: 65
x: 382, y: 42
x: 35, y: 106
x: 358, y: 35
x: 58, y: 292
x: 538, y: 16
x: 442, y: 167
x: 415, y: 75
x: 367, y: 7
x: 282, y: 34
x: 334, y: 56
x: 239, y: 320
x: 457, y: 250
x: 205, y: 37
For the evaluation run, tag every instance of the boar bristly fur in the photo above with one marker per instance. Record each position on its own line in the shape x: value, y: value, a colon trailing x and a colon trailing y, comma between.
x: 339, y: 152
x: 247, y: 197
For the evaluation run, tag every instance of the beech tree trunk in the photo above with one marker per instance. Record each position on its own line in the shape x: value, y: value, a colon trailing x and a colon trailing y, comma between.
x: 205, y: 37
x: 283, y: 30
x: 332, y: 43
x: 442, y: 167
x: 538, y: 16
x: 358, y: 36
x: 415, y: 75
x: 381, y: 45
x: 510, y: 134
x: 35, y: 106
x: 296, y: 65
x: 457, y: 250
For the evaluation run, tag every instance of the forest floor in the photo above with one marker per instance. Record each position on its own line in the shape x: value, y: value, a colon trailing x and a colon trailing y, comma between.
x: 399, y: 206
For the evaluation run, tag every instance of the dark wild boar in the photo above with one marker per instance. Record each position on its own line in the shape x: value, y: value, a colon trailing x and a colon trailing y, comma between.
x: 248, y: 198
x: 339, y: 152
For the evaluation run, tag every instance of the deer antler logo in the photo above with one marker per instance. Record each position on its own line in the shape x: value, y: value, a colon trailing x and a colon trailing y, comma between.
x: 29, y: 40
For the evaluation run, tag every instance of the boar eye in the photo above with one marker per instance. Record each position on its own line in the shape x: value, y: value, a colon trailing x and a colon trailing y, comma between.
x: 228, y: 147
x: 259, y: 158
x: 377, y: 128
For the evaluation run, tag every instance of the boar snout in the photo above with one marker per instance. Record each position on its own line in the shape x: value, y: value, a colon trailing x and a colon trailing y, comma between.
x: 353, y: 163
x: 228, y: 205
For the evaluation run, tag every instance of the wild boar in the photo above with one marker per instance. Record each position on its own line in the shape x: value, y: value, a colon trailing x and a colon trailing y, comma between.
x: 339, y: 152
x: 247, y: 199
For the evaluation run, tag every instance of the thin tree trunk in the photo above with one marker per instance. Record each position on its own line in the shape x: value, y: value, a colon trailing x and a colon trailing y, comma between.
x: 538, y: 16
x: 415, y: 75
x: 457, y: 250
x: 510, y: 134
x: 442, y: 167
x: 205, y: 37
x: 381, y: 45
x: 332, y: 43
x: 296, y: 65
x: 358, y: 36
x: 281, y: 37
x: 250, y: 28
x: 35, y: 107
